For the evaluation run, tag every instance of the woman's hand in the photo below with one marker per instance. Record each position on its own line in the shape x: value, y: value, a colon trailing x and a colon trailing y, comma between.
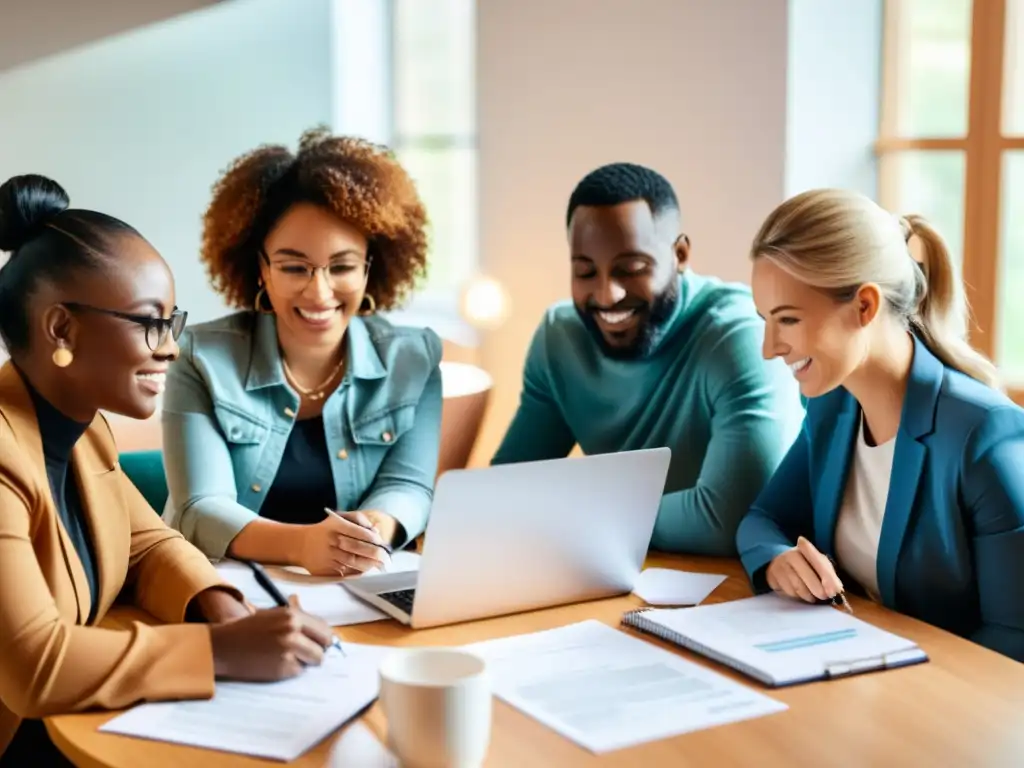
x: 269, y: 645
x: 217, y: 605
x: 804, y: 572
x: 344, y: 544
x: 383, y: 523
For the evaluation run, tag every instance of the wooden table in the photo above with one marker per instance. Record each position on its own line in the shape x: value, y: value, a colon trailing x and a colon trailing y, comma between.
x: 964, y: 708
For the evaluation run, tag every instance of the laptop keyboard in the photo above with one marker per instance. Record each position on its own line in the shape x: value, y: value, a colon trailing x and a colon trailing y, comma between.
x: 402, y: 598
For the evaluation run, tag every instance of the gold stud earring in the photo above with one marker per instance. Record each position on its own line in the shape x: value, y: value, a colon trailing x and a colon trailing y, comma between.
x: 62, y: 356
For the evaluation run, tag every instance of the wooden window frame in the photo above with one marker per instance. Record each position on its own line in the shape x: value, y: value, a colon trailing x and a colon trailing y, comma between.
x: 983, y: 147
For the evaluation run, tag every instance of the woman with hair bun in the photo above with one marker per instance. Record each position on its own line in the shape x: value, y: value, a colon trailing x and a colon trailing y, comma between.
x: 909, y: 471
x: 304, y: 428
x: 88, y: 316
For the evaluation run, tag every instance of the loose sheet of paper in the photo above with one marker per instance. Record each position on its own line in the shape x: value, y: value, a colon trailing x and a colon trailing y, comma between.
x: 357, y: 747
x: 279, y: 721
x: 400, y: 562
x: 665, y: 586
x: 606, y: 690
x: 320, y: 596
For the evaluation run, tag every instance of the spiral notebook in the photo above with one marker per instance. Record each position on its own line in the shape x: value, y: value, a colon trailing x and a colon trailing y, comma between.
x: 779, y: 641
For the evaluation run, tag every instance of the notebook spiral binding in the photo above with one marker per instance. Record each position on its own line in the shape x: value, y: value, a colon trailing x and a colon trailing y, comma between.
x: 638, y: 620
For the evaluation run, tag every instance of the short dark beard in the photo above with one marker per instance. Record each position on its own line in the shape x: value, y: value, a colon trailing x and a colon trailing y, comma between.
x: 657, y: 315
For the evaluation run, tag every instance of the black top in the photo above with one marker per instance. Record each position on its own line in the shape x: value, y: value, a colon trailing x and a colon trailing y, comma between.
x: 59, y: 434
x: 304, y: 484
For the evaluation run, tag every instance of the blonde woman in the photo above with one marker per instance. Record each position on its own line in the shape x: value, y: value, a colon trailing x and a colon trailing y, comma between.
x: 909, y: 472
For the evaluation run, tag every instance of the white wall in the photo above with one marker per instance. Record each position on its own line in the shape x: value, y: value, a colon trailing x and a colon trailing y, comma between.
x: 140, y: 125
x: 696, y: 90
x: 834, y: 81
x: 31, y: 29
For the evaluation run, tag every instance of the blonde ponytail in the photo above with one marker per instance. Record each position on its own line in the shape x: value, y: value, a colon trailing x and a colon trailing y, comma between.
x: 941, y: 318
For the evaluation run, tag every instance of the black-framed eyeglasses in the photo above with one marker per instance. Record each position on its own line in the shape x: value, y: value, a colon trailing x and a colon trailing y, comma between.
x: 157, y: 328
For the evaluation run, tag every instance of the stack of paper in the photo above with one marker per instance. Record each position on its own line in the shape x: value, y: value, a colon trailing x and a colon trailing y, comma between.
x: 279, y: 721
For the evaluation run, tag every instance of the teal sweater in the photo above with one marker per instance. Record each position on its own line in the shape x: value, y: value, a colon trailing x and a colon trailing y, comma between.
x: 704, y: 391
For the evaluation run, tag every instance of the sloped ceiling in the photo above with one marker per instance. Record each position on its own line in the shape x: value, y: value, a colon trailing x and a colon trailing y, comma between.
x: 33, y: 29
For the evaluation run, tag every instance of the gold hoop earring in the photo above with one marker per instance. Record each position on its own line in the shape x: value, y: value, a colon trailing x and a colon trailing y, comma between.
x: 257, y: 305
x: 62, y: 356
x: 367, y: 298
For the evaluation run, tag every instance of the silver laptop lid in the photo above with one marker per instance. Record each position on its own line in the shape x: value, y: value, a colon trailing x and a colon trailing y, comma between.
x: 517, y: 537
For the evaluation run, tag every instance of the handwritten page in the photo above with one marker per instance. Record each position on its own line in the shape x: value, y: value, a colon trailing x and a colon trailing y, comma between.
x: 278, y: 721
x: 665, y: 586
x: 323, y: 597
x: 606, y: 690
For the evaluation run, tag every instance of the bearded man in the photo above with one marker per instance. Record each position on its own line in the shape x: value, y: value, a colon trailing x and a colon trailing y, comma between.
x: 650, y: 354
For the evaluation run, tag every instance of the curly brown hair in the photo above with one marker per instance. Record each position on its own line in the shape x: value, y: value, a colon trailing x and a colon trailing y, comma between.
x: 360, y: 182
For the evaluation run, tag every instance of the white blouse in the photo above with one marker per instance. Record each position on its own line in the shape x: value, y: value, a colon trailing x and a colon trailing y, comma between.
x: 860, y: 518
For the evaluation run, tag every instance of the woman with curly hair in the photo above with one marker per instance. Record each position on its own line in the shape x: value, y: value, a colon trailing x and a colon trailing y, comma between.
x: 303, y: 430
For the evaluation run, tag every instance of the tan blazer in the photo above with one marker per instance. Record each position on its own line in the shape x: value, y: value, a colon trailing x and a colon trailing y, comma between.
x: 49, y: 662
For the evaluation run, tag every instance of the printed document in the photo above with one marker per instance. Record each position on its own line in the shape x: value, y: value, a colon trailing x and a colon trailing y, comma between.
x: 606, y: 690
x: 278, y: 721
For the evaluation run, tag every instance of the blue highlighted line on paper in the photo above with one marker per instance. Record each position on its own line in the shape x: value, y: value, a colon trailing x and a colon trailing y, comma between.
x: 795, y: 643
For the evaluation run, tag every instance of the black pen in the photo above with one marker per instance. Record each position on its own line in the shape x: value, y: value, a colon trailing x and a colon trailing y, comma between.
x: 275, y: 594
x: 841, y: 597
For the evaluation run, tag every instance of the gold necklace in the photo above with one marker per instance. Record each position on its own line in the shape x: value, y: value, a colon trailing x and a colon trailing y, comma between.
x: 312, y: 393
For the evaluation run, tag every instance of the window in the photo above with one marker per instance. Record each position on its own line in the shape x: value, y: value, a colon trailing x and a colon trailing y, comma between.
x: 951, y: 147
x: 433, y: 128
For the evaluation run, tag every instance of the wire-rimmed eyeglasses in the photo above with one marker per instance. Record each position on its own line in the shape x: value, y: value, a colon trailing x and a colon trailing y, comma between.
x: 345, y: 275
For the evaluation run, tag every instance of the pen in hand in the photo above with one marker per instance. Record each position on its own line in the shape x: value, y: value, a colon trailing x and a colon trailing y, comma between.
x: 385, y: 547
x: 841, y: 596
x: 268, y: 586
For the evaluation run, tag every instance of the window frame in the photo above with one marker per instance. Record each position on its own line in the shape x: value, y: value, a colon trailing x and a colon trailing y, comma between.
x: 983, y: 147
x: 434, y: 299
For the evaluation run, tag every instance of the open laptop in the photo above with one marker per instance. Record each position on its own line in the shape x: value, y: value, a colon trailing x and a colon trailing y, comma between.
x: 517, y: 537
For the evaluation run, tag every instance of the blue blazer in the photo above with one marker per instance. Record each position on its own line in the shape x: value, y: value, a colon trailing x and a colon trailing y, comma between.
x: 951, y: 551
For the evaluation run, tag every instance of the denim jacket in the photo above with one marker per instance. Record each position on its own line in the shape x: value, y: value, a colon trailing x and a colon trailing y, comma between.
x: 228, y: 411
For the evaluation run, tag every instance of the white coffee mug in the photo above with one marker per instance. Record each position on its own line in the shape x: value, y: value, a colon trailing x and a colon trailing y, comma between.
x: 438, y: 706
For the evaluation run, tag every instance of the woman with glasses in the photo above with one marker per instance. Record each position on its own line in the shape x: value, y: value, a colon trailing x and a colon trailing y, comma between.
x: 88, y: 318
x: 303, y: 430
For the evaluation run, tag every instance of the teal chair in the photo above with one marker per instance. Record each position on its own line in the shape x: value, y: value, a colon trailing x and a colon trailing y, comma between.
x: 146, y: 470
